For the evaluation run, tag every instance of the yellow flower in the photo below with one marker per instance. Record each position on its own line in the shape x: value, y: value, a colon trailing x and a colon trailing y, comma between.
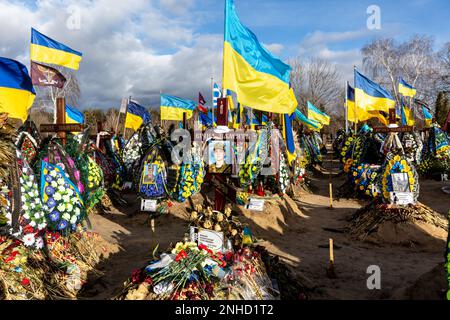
x: 397, y: 158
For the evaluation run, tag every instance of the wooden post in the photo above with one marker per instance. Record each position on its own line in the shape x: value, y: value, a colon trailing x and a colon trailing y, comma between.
x: 184, y: 120
x: 392, y: 116
x: 61, y: 117
x: 330, y: 271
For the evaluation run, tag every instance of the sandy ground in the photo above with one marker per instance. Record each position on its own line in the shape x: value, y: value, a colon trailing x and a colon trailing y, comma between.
x: 298, y: 231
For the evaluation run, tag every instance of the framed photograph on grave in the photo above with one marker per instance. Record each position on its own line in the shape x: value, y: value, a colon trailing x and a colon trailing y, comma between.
x: 219, y: 154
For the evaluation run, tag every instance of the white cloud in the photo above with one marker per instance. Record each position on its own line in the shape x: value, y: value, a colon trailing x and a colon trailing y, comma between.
x: 129, y: 47
x: 274, y: 48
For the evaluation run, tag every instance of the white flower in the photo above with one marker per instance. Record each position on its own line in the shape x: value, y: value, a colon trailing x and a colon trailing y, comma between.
x: 54, y: 184
x: 22, y: 189
x: 28, y: 239
x: 37, y: 215
x: 53, y: 173
x: 32, y: 205
x: 57, y: 196
x: 41, y: 226
x: 39, y: 243
x: 70, y: 192
x: 23, y: 198
x: 61, y: 189
x: 36, y: 194
x: 21, y: 180
x: 77, y: 211
x: 61, y: 207
x: 29, y: 184
x: 61, y: 182
x: 69, y: 207
x: 33, y: 224
x: 25, y: 207
x: 66, y: 216
x: 75, y: 200
x: 73, y: 220
x: 66, y: 198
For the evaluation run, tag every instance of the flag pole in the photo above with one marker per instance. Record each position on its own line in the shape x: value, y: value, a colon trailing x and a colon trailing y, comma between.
x: 212, y: 100
x: 356, y: 116
x: 346, y: 108
x: 126, y: 110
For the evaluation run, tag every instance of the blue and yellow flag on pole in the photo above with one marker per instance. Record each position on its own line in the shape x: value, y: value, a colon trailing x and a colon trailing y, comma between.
x: 288, y: 135
x: 355, y: 114
x: 47, y: 50
x: 316, y: 114
x: 259, y: 80
x: 309, y: 123
x: 136, y: 116
x: 172, y: 108
x: 16, y: 89
x: 407, y: 116
x: 73, y: 115
x: 428, y: 117
x: 370, y: 96
x: 405, y: 89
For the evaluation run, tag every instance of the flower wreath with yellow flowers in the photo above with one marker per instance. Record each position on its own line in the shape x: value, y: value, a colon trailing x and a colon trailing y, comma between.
x: 398, y: 164
x: 365, y: 179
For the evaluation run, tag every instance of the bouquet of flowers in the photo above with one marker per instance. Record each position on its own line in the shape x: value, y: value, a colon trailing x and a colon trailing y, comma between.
x: 63, y: 203
x: 365, y: 180
x: 283, y: 178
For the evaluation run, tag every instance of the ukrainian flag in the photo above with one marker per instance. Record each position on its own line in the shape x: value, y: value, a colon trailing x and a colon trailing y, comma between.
x: 136, y: 116
x: 370, y: 96
x: 355, y: 114
x: 309, y: 123
x: 428, y: 117
x: 47, y: 50
x: 172, y: 108
x: 316, y: 114
x: 259, y: 80
x: 16, y: 89
x: 288, y: 136
x: 407, y: 116
x: 405, y: 89
x: 73, y: 115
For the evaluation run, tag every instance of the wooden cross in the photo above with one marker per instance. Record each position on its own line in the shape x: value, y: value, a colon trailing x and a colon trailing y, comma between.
x: 61, y: 127
x: 392, y: 120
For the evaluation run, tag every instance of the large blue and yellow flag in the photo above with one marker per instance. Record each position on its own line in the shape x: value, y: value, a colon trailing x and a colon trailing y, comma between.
x: 407, y: 116
x: 288, y: 136
x: 370, y: 96
x: 405, y: 89
x: 47, y: 50
x: 316, y: 114
x: 16, y: 89
x: 136, y: 116
x: 172, y: 108
x: 73, y: 115
x: 309, y: 123
x: 259, y: 80
x: 356, y: 114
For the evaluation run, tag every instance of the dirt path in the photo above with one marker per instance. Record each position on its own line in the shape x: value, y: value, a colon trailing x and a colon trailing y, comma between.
x: 293, y: 229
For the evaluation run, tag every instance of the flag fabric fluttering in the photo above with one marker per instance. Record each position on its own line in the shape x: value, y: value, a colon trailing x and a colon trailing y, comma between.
x: 316, y: 114
x: 370, y: 96
x: 201, y: 103
x: 16, y: 89
x: 288, y: 136
x: 73, y: 115
x: 172, y: 108
x: 309, y: 123
x: 46, y: 50
x: 136, y: 116
x: 45, y: 76
x: 259, y: 80
x: 407, y: 116
x: 217, y: 93
x: 428, y: 117
x: 357, y: 114
x: 405, y: 89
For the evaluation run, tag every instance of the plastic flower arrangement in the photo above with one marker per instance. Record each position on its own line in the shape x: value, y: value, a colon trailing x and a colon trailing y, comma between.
x: 283, y: 178
x: 27, y: 146
x: 365, y: 180
x: 154, y: 167
x: 413, y: 146
x: 62, y: 201
x: 190, y: 180
x: 398, y: 164
x: 132, y: 152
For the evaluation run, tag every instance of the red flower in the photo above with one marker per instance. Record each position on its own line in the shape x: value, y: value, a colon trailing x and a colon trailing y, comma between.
x: 28, y: 229
x: 137, y: 276
x: 25, y: 282
x: 148, y: 280
x: 181, y: 255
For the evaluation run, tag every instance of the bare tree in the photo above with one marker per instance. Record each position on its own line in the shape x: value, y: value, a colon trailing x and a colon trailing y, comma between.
x: 414, y: 60
x: 318, y: 81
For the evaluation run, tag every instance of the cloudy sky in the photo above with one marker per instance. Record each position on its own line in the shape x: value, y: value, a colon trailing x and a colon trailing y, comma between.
x: 142, y: 47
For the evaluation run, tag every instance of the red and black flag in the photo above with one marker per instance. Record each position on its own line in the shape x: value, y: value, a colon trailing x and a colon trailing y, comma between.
x: 201, y: 103
x: 46, y: 76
